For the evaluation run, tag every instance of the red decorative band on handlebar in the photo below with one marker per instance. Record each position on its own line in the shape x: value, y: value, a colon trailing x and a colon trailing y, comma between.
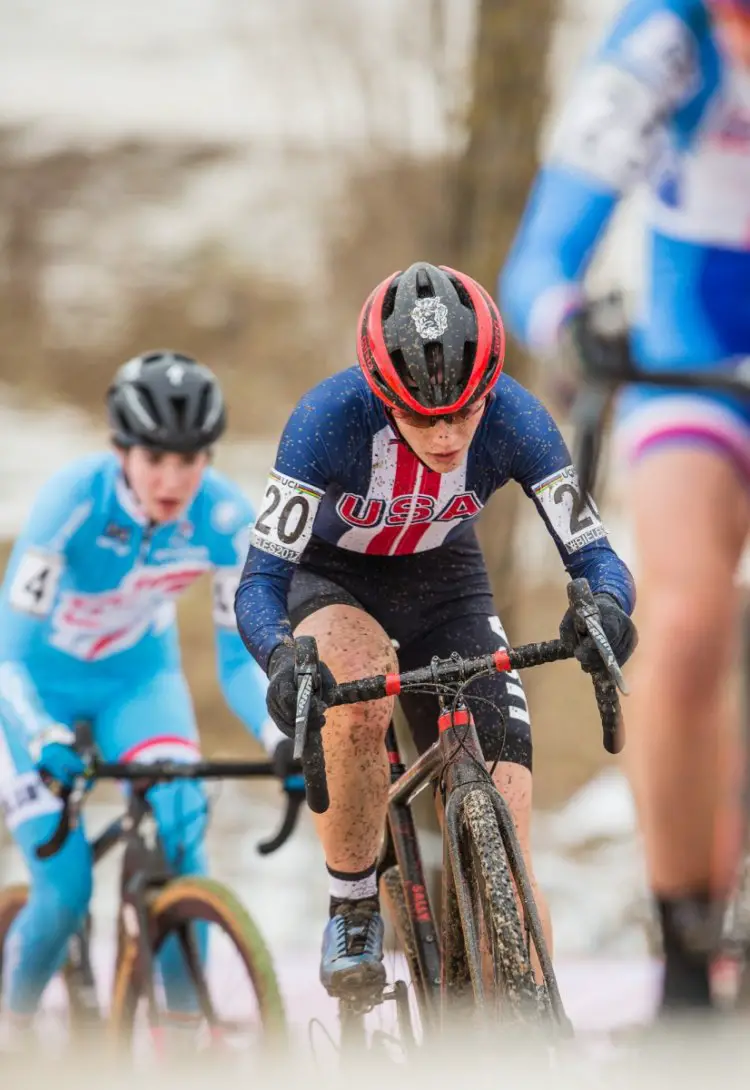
x: 501, y: 660
x: 392, y: 684
x: 460, y: 718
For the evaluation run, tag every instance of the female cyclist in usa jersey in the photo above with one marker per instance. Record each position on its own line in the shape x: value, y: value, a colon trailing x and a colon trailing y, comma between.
x: 366, y: 541
x: 87, y: 631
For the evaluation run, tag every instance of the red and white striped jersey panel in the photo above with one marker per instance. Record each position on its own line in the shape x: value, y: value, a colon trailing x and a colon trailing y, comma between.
x: 408, y: 507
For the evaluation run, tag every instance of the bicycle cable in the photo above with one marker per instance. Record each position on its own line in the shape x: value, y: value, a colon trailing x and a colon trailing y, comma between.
x: 457, y: 692
x: 326, y: 1033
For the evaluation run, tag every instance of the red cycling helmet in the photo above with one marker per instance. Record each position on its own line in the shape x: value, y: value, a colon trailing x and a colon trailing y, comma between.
x: 431, y: 340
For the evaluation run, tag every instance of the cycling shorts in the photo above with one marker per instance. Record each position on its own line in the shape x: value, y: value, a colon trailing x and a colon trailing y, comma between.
x: 651, y: 418
x: 430, y: 603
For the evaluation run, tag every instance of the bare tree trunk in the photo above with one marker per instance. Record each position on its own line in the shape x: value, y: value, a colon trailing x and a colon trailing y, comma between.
x: 494, y: 175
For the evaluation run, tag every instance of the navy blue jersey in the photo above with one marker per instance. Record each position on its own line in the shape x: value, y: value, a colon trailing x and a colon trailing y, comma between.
x: 343, y: 474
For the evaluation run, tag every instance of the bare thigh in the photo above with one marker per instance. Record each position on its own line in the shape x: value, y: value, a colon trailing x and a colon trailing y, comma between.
x: 691, y: 514
x: 353, y: 645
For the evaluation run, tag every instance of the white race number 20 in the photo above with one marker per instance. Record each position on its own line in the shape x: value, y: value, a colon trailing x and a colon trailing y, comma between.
x: 285, y: 522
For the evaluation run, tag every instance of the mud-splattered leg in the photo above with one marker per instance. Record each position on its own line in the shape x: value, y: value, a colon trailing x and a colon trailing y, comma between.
x: 353, y: 645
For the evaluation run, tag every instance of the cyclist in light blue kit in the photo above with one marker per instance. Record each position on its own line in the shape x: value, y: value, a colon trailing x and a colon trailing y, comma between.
x: 87, y: 631
x: 666, y: 100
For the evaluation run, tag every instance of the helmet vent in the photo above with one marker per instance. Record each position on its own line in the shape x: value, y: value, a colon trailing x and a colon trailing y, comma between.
x: 424, y: 285
x: 179, y: 408
x: 389, y: 301
x: 203, y: 405
x: 462, y: 294
x: 470, y: 351
x: 435, y: 359
x: 148, y: 400
x: 397, y: 358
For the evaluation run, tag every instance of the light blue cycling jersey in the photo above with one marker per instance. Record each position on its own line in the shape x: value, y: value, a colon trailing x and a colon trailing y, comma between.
x: 87, y: 630
x: 659, y: 103
x: 88, y: 598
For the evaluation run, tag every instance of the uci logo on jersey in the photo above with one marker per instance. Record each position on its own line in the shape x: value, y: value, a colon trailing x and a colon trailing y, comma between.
x: 357, y: 511
x: 121, y: 534
x: 115, y: 537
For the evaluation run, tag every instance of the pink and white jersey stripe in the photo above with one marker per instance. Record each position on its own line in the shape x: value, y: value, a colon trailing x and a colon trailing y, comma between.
x: 683, y: 418
x: 163, y: 747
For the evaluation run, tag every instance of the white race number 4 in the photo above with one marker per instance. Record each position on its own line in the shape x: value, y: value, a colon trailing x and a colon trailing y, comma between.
x: 35, y: 583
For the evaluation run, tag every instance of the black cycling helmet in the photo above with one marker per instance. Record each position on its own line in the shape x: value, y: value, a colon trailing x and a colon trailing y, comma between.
x: 166, y: 401
x: 430, y: 340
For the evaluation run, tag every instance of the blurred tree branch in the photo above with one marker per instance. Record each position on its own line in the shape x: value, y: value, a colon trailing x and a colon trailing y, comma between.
x: 509, y: 97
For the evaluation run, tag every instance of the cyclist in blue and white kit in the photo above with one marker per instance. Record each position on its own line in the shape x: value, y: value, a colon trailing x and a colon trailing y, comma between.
x: 666, y: 100
x: 87, y: 630
x: 366, y: 535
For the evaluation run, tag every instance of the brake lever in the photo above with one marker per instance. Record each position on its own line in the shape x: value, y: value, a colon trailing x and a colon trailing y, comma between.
x: 306, y: 675
x: 294, y: 800
x: 585, y: 608
x: 308, y: 747
x: 595, y: 630
x: 68, y: 821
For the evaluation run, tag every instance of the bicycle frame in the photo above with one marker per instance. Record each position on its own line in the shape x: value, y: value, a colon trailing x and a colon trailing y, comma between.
x: 144, y: 868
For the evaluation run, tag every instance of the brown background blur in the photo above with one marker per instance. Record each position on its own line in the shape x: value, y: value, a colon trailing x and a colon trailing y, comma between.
x: 83, y: 290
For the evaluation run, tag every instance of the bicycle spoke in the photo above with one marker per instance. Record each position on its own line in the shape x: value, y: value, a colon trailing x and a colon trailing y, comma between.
x: 192, y: 957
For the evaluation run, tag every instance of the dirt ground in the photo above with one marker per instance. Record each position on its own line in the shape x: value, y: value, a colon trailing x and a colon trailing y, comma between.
x: 567, y: 741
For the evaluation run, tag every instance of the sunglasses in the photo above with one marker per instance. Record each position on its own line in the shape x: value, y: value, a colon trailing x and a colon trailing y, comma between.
x: 423, y: 421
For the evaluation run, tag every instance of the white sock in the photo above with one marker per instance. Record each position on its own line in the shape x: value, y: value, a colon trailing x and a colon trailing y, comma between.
x: 344, y: 886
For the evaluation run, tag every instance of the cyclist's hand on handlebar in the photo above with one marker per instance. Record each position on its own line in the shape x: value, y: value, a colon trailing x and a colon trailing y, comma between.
x: 597, y: 337
x: 57, y: 762
x: 561, y: 374
x: 618, y: 628
x: 281, y: 698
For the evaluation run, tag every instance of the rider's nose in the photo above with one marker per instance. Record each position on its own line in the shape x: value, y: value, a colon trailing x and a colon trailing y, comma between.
x: 171, y: 478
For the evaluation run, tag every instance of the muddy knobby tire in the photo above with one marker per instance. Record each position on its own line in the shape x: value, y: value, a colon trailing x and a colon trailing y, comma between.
x: 496, y: 911
x: 195, y: 900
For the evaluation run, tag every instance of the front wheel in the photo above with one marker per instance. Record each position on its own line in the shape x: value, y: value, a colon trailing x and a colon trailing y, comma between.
x: 231, y: 999
x: 509, y: 988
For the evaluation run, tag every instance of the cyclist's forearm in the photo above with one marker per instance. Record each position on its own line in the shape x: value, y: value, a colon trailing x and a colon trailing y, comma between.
x: 540, y: 285
x: 260, y: 607
x: 605, y: 572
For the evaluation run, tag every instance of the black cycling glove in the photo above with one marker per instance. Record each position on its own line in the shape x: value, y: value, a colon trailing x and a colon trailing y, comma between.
x: 281, y: 698
x: 599, y: 337
x: 618, y: 628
